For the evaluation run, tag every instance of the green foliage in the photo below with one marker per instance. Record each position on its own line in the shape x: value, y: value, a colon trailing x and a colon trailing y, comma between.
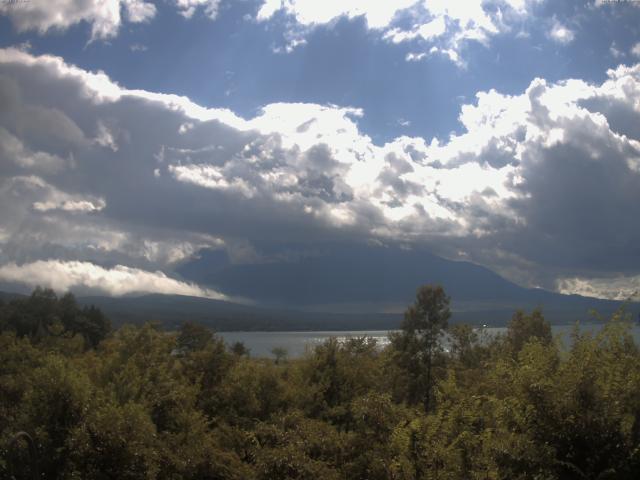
x: 114, y: 441
x: 279, y: 353
x: 418, y: 345
x: 239, y: 349
x: 193, y: 337
x: 57, y: 398
x: 147, y: 404
x: 43, y: 315
x: 524, y: 328
x: 334, y: 374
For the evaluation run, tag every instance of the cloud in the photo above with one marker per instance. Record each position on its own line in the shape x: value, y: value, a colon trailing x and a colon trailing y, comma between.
x: 536, y: 185
x: 138, y: 11
x: 187, y: 8
x: 446, y: 26
x: 414, y: 57
x: 13, y: 150
x: 614, y: 288
x: 310, y: 12
x: 615, y: 51
x: 138, y: 47
x: 47, y: 198
x: 104, y: 16
x: 560, y: 33
x: 116, y: 281
x: 635, y: 50
x: 427, y: 31
x: 55, y: 199
x: 610, y: 3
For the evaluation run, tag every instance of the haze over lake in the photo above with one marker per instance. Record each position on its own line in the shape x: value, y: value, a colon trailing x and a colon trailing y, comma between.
x: 261, y: 344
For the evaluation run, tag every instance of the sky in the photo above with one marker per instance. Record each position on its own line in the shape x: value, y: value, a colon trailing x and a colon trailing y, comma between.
x: 136, y: 135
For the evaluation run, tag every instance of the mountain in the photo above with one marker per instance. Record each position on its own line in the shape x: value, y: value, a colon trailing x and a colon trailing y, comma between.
x: 8, y: 296
x: 172, y: 310
x: 378, y: 279
x: 346, y: 289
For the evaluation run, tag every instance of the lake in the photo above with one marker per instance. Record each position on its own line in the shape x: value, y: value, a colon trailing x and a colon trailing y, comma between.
x: 261, y: 343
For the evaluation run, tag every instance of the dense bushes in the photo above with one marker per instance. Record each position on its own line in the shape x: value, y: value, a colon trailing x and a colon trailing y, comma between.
x: 145, y: 404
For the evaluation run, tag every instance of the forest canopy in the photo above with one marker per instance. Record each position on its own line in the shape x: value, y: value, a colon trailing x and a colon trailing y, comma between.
x: 142, y: 403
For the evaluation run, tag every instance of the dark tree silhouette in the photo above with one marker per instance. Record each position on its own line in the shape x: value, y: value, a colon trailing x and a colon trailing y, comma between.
x: 418, y: 342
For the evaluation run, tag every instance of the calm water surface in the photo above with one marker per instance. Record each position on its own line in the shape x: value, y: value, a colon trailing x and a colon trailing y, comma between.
x: 261, y: 343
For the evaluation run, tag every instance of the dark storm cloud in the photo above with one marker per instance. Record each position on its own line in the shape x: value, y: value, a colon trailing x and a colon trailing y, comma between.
x: 538, y: 186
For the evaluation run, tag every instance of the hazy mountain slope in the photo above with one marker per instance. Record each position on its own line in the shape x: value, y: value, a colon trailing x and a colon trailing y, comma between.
x: 376, y: 279
x: 348, y: 289
x: 172, y: 310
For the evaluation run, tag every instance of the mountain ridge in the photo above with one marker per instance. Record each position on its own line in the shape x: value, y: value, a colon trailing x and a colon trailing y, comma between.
x: 346, y: 289
x: 170, y: 311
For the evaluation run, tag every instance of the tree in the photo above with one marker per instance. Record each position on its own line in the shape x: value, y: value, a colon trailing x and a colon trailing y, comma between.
x: 524, y: 328
x: 418, y: 342
x: 43, y: 314
x: 94, y: 326
x: 239, y: 349
x: 280, y: 353
x: 33, y: 316
x: 464, y: 345
x: 194, y: 336
x: 115, y: 441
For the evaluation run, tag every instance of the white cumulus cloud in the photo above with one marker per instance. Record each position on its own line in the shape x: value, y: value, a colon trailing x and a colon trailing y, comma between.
x: 117, y: 281
x: 537, y: 185
x: 614, y: 288
x: 104, y: 15
x: 310, y: 12
x: 443, y: 24
x: 561, y: 33
x: 187, y: 8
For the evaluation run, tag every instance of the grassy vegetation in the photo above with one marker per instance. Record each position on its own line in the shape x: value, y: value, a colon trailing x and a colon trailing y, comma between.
x: 138, y: 403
